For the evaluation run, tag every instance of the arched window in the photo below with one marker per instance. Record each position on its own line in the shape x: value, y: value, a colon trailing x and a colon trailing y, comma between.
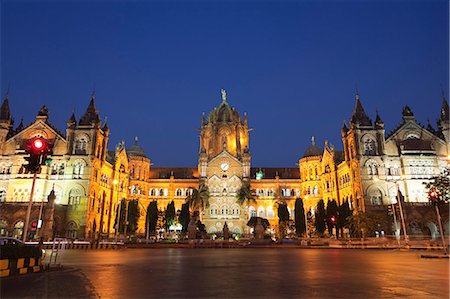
x: 81, y: 146
x: 252, y: 211
x: 3, y: 228
x: 375, y: 196
x: 72, y: 229
x: 18, y: 229
x: 270, y: 213
x: 2, y: 195
x: 78, y: 169
x: 372, y: 168
x: 370, y: 147
x: 316, y: 190
x: 161, y: 192
x: 75, y: 196
x: 261, y: 212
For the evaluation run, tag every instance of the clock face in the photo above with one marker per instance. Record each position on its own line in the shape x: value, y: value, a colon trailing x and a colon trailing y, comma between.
x: 224, y: 166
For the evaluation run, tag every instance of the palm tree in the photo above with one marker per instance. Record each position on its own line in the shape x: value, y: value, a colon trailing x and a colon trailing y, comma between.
x: 198, y: 199
x: 245, y: 195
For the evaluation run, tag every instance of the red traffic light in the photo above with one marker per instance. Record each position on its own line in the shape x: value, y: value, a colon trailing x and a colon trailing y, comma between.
x: 37, y: 146
x: 333, y: 219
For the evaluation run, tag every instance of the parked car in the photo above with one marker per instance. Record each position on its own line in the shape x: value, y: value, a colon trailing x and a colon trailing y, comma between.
x: 8, y: 241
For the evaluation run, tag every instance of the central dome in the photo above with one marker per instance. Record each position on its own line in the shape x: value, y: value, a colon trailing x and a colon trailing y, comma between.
x: 136, y: 150
x: 224, y: 113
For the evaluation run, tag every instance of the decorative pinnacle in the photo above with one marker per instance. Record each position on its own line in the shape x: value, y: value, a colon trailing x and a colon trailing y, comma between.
x: 313, y: 142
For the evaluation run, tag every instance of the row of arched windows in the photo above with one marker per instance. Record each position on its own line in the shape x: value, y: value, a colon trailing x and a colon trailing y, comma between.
x: 311, y: 190
x: 344, y: 180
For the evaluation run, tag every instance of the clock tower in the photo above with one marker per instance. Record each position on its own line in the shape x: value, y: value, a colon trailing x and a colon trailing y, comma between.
x: 224, y: 162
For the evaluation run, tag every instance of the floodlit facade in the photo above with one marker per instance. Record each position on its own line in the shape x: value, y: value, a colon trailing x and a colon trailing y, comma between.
x: 78, y: 191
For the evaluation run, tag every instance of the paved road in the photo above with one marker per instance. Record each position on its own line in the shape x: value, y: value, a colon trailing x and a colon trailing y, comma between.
x: 246, y: 273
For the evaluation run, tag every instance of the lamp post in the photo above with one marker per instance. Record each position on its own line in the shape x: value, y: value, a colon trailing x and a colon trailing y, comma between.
x: 116, y: 183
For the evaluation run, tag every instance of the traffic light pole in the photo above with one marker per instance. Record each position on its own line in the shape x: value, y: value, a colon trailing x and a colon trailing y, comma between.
x: 440, y: 228
x: 401, y: 215
x: 30, y: 204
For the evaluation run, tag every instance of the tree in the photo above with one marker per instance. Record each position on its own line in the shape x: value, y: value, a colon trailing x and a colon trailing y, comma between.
x: 254, y: 220
x: 438, y: 194
x: 152, y: 217
x: 320, y: 216
x: 245, y: 194
x: 300, y: 225
x: 363, y: 223
x: 184, y: 217
x: 332, y: 215
x: 344, y: 213
x: 133, y: 215
x: 198, y: 199
x: 441, y: 185
x: 283, y: 218
x: 170, y: 214
x: 121, y: 216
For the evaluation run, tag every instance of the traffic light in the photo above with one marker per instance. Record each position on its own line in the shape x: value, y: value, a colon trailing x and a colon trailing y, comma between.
x: 389, y: 210
x: 333, y: 219
x: 433, y: 196
x: 33, y: 163
x: 37, y: 149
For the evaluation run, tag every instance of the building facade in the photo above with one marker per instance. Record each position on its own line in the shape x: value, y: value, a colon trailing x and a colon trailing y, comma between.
x: 78, y: 192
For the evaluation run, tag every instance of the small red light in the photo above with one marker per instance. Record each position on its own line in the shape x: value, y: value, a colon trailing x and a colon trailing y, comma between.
x: 38, y: 144
x: 333, y: 219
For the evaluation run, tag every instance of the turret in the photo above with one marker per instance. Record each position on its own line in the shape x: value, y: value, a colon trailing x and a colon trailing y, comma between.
x: 408, y: 115
x: 359, y: 116
x: 6, y: 121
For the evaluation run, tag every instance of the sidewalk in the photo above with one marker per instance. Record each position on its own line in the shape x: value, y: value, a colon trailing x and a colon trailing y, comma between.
x: 64, y: 283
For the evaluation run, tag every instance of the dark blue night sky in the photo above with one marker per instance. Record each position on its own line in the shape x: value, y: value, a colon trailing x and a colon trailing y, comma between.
x: 292, y: 66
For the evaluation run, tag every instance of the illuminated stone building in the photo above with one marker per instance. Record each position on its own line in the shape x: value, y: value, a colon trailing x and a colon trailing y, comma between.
x: 81, y: 174
x: 88, y: 180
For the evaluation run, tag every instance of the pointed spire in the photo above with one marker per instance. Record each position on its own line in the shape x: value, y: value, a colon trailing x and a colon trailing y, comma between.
x: 359, y: 115
x: 378, y: 121
x: 135, y: 140
x: 430, y: 127
x: 313, y: 142
x: 20, y: 127
x: 407, y: 114
x: 72, y: 118
x: 344, y: 127
x: 5, y: 112
x: 105, y: 127
x: 91, y: 115
x: 43, y: 111
x: 245, y: 119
